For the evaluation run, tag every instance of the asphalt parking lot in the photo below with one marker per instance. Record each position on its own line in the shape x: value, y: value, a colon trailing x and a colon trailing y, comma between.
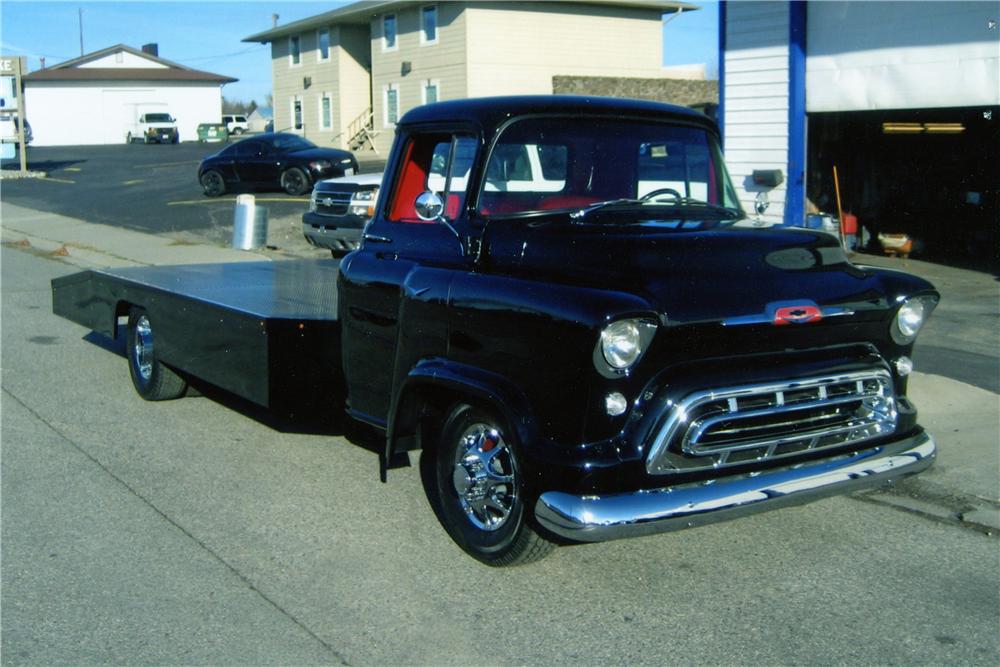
x: 150, y: 188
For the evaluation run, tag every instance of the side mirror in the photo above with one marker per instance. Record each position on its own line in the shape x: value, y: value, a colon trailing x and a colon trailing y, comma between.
x: 761, y: 203
x: 428, y: 206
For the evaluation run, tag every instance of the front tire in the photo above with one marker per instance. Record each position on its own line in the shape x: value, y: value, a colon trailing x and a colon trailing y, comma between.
x: 212, y: 183
x: 128, y: 138
x: 480, y: 490
x: 151, y: 379
x: 295, y: 182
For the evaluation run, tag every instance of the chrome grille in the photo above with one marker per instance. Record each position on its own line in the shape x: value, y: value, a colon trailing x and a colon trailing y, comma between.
x: 739, y: 425
x: 332, y: 203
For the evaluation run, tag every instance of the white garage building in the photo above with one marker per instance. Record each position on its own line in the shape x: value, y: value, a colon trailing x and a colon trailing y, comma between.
x: 95, y: 98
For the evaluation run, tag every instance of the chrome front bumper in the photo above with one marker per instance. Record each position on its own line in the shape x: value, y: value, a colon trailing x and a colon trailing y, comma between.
x: 599, y: 518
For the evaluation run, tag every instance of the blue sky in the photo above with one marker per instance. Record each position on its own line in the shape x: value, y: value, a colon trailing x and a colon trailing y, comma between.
x: 206, y: 35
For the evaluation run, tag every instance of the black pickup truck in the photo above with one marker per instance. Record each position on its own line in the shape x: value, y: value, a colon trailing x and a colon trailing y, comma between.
x: 562, y: 305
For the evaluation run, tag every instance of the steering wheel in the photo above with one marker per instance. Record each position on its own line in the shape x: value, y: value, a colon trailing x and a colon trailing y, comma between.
x: 649, y: 196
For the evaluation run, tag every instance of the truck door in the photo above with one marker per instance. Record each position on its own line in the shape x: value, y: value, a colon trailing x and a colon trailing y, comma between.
x: 393, y: 290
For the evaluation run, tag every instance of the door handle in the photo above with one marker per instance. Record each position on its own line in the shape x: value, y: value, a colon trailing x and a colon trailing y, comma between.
x: 377, y: 239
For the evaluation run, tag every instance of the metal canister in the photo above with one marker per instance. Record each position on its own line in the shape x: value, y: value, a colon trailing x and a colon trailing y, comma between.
x: 249, y: 224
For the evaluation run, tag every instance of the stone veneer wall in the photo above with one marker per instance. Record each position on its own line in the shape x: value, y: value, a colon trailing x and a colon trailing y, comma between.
x: 685, y: 92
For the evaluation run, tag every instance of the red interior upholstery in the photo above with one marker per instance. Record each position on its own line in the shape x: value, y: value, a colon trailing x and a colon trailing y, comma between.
x: 411, y: 183
x: 566, y: 201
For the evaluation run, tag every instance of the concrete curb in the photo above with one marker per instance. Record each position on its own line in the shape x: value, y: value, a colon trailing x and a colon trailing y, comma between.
x: 90, y: 245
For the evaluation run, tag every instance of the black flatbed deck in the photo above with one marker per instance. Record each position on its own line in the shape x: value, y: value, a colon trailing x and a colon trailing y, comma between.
x: 266, y: 331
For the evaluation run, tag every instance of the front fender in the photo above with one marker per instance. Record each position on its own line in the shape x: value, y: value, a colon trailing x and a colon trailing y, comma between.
x: 474, y: 384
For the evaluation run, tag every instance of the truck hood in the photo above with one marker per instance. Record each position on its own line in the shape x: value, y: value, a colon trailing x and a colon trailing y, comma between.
x: 726, y: 275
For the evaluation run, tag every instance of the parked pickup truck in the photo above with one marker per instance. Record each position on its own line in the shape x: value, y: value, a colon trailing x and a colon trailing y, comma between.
x: 338, y: 210
x: 612, y: 353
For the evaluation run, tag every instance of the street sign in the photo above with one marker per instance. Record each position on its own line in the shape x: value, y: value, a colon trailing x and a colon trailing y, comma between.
x: 11, y: 69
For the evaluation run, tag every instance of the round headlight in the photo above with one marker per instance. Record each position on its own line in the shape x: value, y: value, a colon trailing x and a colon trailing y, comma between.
x: 621, y: 343
x: 909, y: 318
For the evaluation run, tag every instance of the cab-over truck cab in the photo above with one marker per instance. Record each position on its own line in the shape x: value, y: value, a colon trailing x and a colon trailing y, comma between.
x: 556, y: 302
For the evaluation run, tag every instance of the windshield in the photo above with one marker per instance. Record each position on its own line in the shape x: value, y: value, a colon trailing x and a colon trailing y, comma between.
x: 291, y: 142
x: 544, y: 164
x: 158, y: 118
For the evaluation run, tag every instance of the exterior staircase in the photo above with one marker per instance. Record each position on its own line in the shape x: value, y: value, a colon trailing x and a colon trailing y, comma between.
x: 362, y: 132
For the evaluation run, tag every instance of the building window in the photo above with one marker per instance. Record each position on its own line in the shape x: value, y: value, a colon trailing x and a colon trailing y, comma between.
x: 429, y: 91
x: 323, y: 43
x: 326, y: 111
x: 389, y: 32
x: 296, y: 104
x: 294, y: 50
x: 391, y: 94
x: 429, y: 24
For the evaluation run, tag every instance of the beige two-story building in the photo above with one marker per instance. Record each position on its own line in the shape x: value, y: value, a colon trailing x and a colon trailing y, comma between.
x: 345, y: 77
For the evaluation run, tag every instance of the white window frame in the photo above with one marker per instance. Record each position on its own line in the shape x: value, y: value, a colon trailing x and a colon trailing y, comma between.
x: 424, y: 85
x: 319, y: 48
x: 326, y: 95
x: 291, y: 52
x: 302, y: 110
x: 437, y: 26
x: 385, y: 104
x: 395, y: 21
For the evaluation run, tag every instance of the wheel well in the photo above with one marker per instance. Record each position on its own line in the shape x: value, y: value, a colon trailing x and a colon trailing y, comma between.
x: 422, y: 412
x: 122, y: 309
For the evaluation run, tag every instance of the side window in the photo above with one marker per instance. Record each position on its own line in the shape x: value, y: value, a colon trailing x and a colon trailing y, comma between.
x: 436, y: 162
x: 249, y: 148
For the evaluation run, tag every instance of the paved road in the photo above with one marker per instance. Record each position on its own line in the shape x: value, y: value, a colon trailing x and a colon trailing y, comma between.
x: 192, y: 532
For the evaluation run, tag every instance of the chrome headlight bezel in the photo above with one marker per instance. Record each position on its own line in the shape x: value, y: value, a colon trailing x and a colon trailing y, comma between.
x: 910, y: 317
x: 621, y: 344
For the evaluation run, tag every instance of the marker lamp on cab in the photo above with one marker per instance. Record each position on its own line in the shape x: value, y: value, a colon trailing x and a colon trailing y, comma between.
x: 910, y: 318
x: 621, y: 345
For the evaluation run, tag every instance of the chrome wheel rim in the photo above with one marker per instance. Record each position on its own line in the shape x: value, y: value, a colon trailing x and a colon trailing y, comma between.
x: 143, y: 348
x: 485, y: 477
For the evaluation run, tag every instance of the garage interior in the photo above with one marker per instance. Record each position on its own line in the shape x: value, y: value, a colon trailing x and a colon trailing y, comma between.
x: 931, y: 174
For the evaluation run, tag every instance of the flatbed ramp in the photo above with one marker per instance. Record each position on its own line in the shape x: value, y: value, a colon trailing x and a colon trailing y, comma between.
x: 266, y: 331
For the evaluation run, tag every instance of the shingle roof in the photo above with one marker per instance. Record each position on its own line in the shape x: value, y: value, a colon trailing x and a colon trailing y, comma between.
x: 71, y: 70
x: 125, y: 74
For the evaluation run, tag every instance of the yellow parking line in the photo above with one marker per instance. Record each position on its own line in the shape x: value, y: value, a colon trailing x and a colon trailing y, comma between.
x: 133, y: 182
x: 73, y: 169
x: 56, y: 180
x: 272, y: 200
x: 174, y: 164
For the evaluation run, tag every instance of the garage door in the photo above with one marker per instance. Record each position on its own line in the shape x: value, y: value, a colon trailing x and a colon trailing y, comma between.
x: 867, y: 56
x: 118, y: 111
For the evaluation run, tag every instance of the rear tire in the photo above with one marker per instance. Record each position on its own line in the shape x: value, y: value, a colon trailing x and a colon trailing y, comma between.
x: 480, y: 490
x: 295, y: 182
x: 152, y: 380
x: 212, y: 183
